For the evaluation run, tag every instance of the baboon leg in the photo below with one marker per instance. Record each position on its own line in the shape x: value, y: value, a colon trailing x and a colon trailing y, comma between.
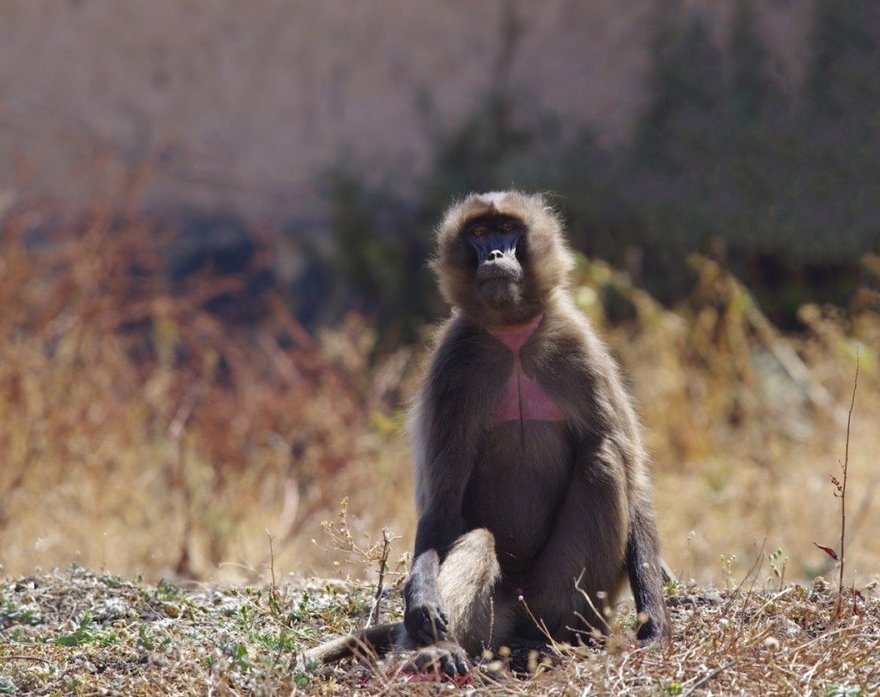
x: 479, y: 617
x: 584, y: 558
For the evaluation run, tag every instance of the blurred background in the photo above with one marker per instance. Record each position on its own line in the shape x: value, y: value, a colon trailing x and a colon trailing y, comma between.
x: 214, y: 221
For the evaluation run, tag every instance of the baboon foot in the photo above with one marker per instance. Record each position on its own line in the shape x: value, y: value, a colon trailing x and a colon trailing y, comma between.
x: 444, y: 657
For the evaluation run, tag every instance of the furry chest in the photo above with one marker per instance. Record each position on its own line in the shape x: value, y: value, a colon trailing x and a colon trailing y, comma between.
x: 522, y: 399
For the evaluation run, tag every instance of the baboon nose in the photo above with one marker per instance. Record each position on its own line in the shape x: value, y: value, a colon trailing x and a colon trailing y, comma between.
x: 496, y: 254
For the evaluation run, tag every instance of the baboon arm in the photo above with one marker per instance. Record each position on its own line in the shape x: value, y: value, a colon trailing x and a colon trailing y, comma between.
x: 424, y: 617
x: 439, y: 526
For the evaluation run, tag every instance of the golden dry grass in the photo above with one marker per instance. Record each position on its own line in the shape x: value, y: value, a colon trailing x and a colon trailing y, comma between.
x: 143, y: 435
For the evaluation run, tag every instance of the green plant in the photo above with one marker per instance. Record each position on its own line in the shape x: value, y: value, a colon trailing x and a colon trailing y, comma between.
x: 844, y: 690
x: 239, y: 655
x: 146, y: 638
x: 83, y: 634
x: 672, y: 688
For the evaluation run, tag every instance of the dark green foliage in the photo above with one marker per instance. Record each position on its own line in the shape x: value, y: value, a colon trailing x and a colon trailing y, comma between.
x: 749, y: 88
x: 685, y: 86
x: 781, y: 182
x: 725, y: 152
x: 846, y: 49
x: 381, y: 248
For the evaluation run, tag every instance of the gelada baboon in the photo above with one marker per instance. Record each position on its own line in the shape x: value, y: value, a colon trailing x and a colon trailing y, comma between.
x: 533, y: 492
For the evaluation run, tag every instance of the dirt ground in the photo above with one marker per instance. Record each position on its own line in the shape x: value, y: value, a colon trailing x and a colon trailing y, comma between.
x: 81, y: 632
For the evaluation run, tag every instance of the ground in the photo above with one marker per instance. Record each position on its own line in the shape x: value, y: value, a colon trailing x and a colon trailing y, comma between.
x: 82, y: 632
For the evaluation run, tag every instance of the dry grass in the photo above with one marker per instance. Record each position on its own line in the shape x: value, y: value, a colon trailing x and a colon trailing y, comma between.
x: 85, y: 633
x: 143, y: 434
x: 140, y: 433
x: 747, y: 426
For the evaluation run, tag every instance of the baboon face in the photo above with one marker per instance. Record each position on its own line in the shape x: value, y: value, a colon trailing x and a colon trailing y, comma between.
x: 500, y: 255
x: 497, y: 244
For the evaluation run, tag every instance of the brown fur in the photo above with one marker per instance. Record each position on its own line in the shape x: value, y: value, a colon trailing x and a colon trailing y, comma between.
x: 523, y: 520
x: 545, y: 240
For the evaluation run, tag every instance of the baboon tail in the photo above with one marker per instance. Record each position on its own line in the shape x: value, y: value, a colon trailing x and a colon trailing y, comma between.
x: 368, y: 643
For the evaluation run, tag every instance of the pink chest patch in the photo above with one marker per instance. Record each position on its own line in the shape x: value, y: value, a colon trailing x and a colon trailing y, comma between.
x: 522, y: 399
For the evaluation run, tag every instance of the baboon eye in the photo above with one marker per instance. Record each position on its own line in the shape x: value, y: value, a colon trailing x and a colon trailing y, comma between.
x: 506, y: 227
x: 478, y: 231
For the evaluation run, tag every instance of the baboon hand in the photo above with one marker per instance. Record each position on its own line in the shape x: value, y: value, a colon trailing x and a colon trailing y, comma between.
x: 444, y: 657
x: 426, y: 622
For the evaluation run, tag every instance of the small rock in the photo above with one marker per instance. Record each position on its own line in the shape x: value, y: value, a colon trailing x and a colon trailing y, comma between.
x: 771, y: 643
